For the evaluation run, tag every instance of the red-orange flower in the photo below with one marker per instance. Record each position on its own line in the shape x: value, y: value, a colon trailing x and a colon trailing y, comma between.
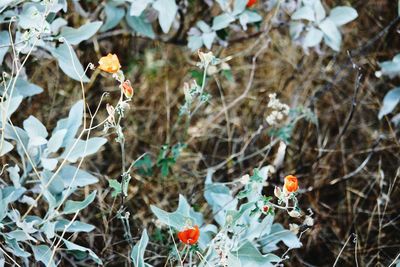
x: 291, y: 184
x: 265, y: 209
x: 109, y: 63
x: 250, y: 3
x: 190, y: 235
x: 127, y: 89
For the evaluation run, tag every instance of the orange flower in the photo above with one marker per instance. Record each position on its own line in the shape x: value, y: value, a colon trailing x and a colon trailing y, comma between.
x: 109, y: 63
x: 189, y: 236
x: 250, y: 3
x: 127, y: 89
x: 291, y: 184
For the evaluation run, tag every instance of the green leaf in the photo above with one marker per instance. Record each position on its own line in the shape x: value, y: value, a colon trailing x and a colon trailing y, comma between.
x: 137, y: 254
x: 75, y: 36
x: 313, y: 37
x: 305, y: 12
x: 4, y: 44
x: 144, y: 166
x: 277, y: 234
x: 116, y: 186
x: 72, y: 206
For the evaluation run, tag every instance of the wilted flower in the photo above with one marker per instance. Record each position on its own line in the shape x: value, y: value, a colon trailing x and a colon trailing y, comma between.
x: 127, y: 89
x: 206, y: 58
x: 190, y: 235
x: 109, y: 63
x: 111, y: 113
x: 309, y: 221
x: 245, y: 179
x: 291, y: 184
x: 277, y: 192
x: 294, y: 228
x: 294, y: 214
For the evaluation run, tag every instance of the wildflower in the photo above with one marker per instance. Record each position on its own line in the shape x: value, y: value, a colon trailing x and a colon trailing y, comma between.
x: 245, y: 179
x: 190, y: 235
x: 250, y: 3
x: 265, y: 209
x: 291, y: 184
x: 109, y: 63
x: 127, y: 89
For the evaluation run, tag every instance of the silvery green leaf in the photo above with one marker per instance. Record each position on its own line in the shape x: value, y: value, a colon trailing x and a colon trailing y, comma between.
x: 72, y: 206
x: 56, y: 186
x: 219, y: 197
x: 69, y: 62
x: 48, y: 229
x: 49, y: 164
x: 203, y: 26
x: 391, y: 67
x: 208, y: 39
x: 167, y: 10
x: 15, y: 248
x: 34, y: 127
x: 5, y: 147
x: 43, y: 254
x: 27, y: 89
x: 82, y: 148
x: 56, y: 140
x: 295, y: 29
x: 178, y: 219
x: 313, y: 37
x: 390, y: 101
x: 195, y: 42
x: 74, y: 177
x: 332, y: 35
x: 28, y: 200
x: 239, y: 6
x: 33, y: 18
x: 343, y: 14
x: 140, y: 25
x: 10, y: 106
x: 4, y: 44
x: 248, y: 255
x: 137, y: 254
x: 222, y: 21
x: 36, y: 141
x: 75, y: 36
x: 249, y: 17
x: 138, y: 6
x: 74, y: 121
x: 75, y: 226
x: 20, y: 235
x: 14, y: 175
x: 57, y: 24
x: 319, y: 10
x: 278, y: 233
x: 304, y: 12
x: 71, y: 246
x: 113, y: 16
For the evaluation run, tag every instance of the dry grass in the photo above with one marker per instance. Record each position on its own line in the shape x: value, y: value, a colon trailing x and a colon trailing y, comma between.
x: 349, y: 176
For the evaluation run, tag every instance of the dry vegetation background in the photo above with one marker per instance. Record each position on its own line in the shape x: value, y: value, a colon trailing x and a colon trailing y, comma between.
x: 347, y: 165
